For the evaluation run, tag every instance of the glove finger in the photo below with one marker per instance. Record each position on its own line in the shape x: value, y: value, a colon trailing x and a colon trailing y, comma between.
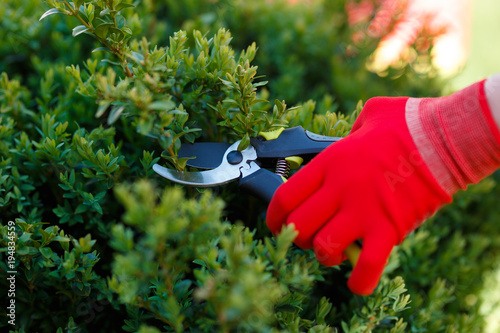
x: 311, y: 215
x: 292, y: 193
x: 376, y: 250
x: 331, y: 241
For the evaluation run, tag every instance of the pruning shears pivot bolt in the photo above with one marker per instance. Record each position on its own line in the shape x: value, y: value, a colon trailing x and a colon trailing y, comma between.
x: 234, y: 157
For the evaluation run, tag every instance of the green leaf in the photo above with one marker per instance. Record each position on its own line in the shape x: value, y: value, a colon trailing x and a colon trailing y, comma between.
x: 103, y: 49
x: 111, y: 62
x: 61, y: 239
x: 97, y: 207
x: 245, y: 142
x: 78, y: 3
x: 45, y: 235
x: 119, y: 34
x: 115, y: 114
x: 165, y: 141
x: 50, y: 12
x: 137, y: 57
x: 181, y: 288
x: 127, y: 30
x: 259, y: 84
x: 120, y: 21
x: 123, y: 5
x: 89, y: 12
x: 179, y: 112
x: 27, y: 187
x: 27, y: 251
x: 231, y: 101
x: 103, y: 106
x: 191, y: 130
x: 100, y: 195
x: 46, y: 252
x: 81, y: 209
x: 23, y: 225
x: 79, y: 30
x: 200, y: 262
x: 102, y: 29
x: 24, y: 238
x: 163, y: 105
x: 181, y: 162
x: 85, y: 243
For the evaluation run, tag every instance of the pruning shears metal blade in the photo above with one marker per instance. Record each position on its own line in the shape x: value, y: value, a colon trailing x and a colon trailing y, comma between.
x: 222, y: 174
x: 217, y: 176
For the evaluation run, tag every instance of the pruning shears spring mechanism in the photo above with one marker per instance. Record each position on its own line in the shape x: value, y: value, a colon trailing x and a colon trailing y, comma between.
x: 282, y: 149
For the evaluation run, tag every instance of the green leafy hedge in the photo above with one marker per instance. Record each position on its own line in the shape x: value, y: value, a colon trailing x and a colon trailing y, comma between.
x: 104, y: 244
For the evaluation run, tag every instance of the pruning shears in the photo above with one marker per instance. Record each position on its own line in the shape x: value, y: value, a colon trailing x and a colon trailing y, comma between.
x: 281, y: 149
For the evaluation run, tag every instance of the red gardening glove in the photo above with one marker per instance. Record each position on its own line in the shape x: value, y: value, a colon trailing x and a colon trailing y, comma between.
x: 402, y: 161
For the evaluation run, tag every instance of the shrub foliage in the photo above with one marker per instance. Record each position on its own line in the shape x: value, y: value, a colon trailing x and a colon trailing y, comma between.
x: 96, y: 92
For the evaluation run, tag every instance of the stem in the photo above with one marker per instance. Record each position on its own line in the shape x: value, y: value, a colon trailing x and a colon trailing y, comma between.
x: 103, y: 41
x: 171, y: 151
x: 74, y: 12
x: 127, y: 71
x: 147, y: 306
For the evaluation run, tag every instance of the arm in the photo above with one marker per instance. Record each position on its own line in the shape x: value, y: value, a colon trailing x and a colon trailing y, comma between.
x: 402, y: 161
x: 492, y: 88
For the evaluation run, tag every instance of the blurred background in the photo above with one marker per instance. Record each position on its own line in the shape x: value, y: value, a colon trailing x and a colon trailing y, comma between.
x: 484, y: 53
x: 326, y: 56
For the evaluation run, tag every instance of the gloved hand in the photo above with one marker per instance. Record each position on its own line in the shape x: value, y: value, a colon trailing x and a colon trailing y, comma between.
x: 403, y: 160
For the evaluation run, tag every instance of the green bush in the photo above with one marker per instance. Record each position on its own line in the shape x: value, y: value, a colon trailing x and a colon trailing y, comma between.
x: 104, y: 244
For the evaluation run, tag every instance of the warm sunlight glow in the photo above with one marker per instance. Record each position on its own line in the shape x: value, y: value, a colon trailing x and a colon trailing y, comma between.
x: 419, y: 24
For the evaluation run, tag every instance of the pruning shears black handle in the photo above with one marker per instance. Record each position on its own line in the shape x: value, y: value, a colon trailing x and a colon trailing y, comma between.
x: 295, y: 141
x: 261, y: 184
